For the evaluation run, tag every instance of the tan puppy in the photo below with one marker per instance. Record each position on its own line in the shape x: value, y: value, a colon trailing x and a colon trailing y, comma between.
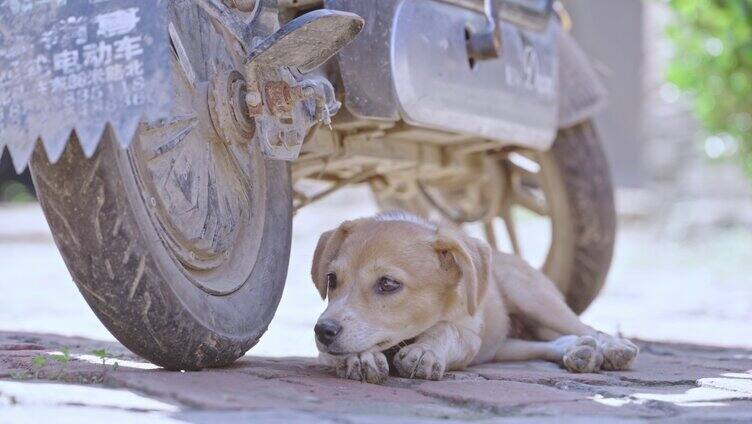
x: 444, y: 300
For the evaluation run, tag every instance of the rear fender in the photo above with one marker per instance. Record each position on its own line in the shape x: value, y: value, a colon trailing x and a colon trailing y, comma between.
x: 410, y: 63
x: 581, y: 92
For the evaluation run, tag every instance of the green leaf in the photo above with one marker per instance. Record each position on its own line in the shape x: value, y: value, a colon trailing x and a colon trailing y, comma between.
x: 39, y: 361
x: 100, y: 353
x: 63, y: 358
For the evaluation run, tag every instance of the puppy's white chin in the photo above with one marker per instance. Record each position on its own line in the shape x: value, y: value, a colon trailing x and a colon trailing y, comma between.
x: 333, y: 350
x: 338, y: 353
x: 337, y: 350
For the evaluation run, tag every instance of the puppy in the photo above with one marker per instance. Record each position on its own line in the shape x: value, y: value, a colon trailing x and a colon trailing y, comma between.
x: 443, y: 301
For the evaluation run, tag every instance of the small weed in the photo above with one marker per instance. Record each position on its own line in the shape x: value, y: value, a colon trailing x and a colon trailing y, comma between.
x: 37, y: 363
x: 63, y: 357
x: 101, y: 354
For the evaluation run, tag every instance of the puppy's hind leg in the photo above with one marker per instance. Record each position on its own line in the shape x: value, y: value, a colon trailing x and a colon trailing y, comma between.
x: 531, y: 294
x: 525, y: 350
x: 576, y: 354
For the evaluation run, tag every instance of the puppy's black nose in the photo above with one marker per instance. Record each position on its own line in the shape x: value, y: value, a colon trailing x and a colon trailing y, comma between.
x: 326, y: 331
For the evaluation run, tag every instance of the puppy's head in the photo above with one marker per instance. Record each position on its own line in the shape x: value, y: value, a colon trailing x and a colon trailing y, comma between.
x: 389, y: 279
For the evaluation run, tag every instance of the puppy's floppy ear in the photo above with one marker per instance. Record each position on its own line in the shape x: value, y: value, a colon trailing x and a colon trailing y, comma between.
x: 472, y: 258
x: 326, y: 250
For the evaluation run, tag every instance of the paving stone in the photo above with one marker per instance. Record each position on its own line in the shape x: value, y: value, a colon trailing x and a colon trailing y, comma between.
x: 729, y: 412
x: 724, y: 359
x: 279, y: 367
x: 653, y: 370
x: 7, y: 346
x: 496, y: 395
x: 300, y: 389
x: 9, y: 340
x: 222, y: 390
x: 540, y: 373
x: 589, y: 409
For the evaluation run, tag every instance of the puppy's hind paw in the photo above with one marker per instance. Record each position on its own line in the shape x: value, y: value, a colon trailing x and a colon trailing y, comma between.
x: 618, y: 354
x: 368, y: 367
x: 416, y: 361
x: 583, y: 356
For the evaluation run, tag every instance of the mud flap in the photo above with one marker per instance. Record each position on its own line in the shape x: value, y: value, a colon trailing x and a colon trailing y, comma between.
x: 83, y: 66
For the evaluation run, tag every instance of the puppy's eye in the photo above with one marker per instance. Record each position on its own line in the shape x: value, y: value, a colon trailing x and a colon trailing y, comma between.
x: 387, y: 285
x: 331, y: 281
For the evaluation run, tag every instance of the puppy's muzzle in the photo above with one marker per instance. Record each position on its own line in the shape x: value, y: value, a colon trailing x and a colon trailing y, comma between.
x: 326, y: 331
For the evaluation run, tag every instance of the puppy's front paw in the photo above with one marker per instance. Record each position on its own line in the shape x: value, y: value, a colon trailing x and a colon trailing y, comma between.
x: 618, y: 353
x: 416, y: 361
x: 583, y: 355
x: 369, y: 367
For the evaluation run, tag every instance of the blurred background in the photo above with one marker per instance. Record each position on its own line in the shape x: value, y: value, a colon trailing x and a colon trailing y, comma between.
x: 677, y: 133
